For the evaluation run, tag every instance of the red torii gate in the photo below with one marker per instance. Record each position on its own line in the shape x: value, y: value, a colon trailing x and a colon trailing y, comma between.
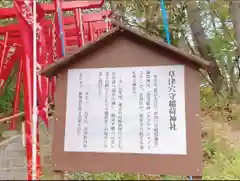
x: 54, y: 38
x: 50, y: 8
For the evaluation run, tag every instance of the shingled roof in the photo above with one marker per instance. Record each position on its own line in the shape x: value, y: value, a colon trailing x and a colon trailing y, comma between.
x: 119, y: 28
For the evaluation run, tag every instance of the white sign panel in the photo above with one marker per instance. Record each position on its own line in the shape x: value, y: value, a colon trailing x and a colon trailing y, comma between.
x: 126, y: 110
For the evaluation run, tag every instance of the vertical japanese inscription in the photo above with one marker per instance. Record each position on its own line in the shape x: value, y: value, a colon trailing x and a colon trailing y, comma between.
x: 120, y: 108
x: 155, y: 106
x: 148, y: 107
x: 106, y: 110
x: 134, y: 83
x: 80, y: 101
x: 100, y: 82
x: 141, y: 112
x: 113, y: 109
x: 85, y: 130
x: 172, y: 99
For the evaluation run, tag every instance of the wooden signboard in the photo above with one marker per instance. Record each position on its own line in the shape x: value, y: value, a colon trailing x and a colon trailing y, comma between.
x: 127, y: 103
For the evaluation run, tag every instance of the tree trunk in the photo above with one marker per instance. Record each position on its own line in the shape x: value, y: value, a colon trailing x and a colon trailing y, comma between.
x: 194, y: 19
x: 235, y: 16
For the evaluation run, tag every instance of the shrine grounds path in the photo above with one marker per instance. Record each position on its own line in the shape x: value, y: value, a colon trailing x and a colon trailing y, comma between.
x: 13, y: 164
x: 13, y: 159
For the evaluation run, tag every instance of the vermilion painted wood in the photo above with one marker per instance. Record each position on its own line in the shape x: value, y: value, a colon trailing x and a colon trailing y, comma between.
x: 9, y: 64
x: 4, y: 51
x: 49, y: 7
x: 13, y: 30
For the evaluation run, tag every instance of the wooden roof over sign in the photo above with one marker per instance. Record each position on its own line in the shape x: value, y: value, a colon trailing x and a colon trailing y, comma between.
x: 121, y: 30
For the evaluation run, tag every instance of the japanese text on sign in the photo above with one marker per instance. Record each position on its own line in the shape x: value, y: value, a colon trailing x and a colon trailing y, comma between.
x: 126, y: 110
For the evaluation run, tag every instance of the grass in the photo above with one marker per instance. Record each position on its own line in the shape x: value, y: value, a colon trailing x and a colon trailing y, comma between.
x: 222, y: 147
x: 223, y: 166
x: 224, y: 162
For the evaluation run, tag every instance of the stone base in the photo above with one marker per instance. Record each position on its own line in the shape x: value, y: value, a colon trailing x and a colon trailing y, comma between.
x: 10, y: 133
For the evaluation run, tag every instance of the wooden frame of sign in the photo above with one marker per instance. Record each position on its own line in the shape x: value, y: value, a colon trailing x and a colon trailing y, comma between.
x: 120, y: 49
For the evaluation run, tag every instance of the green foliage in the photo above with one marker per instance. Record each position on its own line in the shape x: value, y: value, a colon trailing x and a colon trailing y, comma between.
x: 119, y: 176
x: 207, y: 97
x: 102, y: 176
x: 223, y: 167
x: 6, y: 99
x: 209, y: 148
